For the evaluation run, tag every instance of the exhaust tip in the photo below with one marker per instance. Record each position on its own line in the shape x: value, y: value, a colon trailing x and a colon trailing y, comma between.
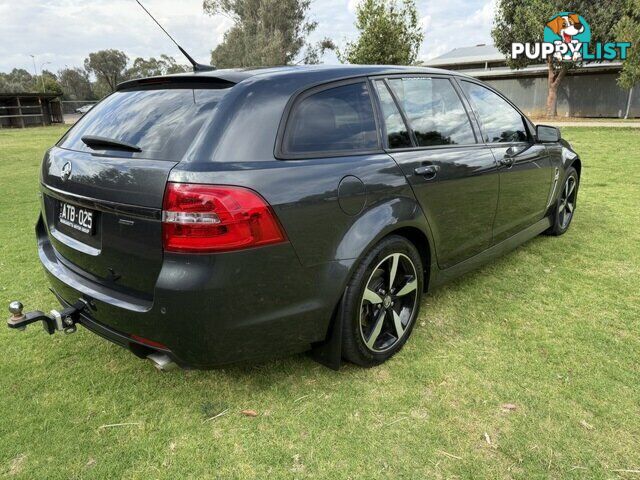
x: 162, y: 361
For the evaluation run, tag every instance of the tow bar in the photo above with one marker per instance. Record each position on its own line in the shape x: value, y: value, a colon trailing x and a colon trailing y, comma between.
x: 63, y: 321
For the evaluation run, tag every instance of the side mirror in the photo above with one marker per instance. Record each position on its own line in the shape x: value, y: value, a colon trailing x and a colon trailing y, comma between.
x: 547, y: 133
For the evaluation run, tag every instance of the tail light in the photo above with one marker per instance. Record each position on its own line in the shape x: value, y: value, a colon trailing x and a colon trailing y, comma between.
x: 213, y: 218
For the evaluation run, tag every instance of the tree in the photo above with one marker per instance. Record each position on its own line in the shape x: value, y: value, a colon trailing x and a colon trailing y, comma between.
x: 164, y: 65
x: 520, y: 22
x: 390, y: 34
x: 109, y: 67
x: 264, y: 32
x: 315, y: 52
x: 628, y: 30
x: 48, y: 82
x: 20, y: 81
x: 75, y: 84
x: 17, y: 81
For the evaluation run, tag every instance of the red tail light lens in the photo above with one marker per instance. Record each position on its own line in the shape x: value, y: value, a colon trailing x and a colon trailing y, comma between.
x: 212, y: 218
x: 148, y: 342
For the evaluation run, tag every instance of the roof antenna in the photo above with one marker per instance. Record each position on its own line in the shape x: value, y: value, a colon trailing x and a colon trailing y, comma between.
x: 197, y: 67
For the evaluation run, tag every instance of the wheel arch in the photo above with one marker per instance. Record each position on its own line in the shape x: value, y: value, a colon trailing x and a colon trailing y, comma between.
x: 577, y: 164
x: 420, y: 240
x: 401, y: 216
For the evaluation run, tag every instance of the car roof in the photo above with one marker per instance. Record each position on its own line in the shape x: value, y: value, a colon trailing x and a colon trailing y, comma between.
x: 327, y: 72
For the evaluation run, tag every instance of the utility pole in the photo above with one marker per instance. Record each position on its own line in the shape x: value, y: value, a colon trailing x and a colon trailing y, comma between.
x: 35, y: 70
x: 626, y: 115
x: 44, y: 89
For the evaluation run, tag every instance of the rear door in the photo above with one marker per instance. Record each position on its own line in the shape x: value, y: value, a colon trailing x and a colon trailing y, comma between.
x: 101, y: 203
x: 454, y: 178
x: 526, y: 173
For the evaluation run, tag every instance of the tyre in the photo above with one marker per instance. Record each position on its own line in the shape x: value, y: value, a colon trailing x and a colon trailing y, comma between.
x: 566, y: 204
x: 381, y: 302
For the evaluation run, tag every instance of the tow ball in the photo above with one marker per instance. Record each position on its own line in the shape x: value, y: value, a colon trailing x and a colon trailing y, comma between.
x: 63, y: 321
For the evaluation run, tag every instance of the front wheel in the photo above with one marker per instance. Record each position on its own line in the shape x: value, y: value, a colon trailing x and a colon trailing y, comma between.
x: 566, y: 204
x: 382, y: 302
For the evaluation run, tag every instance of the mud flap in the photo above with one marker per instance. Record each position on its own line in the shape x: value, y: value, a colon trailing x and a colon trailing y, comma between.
x: 329, y: 352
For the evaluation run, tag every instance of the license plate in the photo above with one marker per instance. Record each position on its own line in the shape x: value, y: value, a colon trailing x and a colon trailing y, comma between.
x: 80, y: 219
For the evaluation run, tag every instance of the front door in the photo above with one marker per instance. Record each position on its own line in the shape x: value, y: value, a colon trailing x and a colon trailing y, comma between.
x: 454, y: 178
x: 526, y: 173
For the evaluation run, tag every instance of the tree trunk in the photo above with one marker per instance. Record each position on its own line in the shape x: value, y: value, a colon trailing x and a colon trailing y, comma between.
x: 555, y: 77
x: 552, y: 101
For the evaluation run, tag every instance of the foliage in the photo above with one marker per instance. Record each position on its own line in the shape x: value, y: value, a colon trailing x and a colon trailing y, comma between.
x: 628, y: 30
x: 264, y: 32
x: 20, y: 80
x: 520, y: 22
x: 390, y: 34
x: 16, y: 81
x: 164, y: 65
x: 75, y: 84
x: 109, y: 67
x: 314, y: 52
x: 551, y: 328
x: 48, y: 82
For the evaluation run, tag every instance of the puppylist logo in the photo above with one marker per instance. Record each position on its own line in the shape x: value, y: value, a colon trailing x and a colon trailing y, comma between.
x: 566, y: 38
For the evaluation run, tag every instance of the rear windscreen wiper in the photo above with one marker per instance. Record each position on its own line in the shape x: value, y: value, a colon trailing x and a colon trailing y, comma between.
x: 98, y: 143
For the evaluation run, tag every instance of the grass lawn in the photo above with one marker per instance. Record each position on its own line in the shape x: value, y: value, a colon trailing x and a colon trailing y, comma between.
x: 526, y: 368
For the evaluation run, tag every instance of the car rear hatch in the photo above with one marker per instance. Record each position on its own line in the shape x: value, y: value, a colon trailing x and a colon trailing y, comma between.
x: 103, y: 184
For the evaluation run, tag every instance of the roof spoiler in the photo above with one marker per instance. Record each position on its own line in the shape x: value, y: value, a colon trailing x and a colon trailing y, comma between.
x: 177, y: 81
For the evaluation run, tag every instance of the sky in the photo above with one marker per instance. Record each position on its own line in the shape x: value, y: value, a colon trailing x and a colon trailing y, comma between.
x: 60, y: 33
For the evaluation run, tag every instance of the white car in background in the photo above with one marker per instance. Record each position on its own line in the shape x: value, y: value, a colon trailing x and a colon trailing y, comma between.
x: 84, y: 109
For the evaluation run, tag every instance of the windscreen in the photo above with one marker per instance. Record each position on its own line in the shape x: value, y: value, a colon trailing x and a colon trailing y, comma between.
x: 161, y: 122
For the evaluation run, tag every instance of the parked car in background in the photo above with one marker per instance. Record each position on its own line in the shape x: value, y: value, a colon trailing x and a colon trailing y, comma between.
x: 84, y: 109
x: 214, y: 217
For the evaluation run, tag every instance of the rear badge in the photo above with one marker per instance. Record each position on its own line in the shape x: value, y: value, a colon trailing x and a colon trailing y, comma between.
x: 66, y: 172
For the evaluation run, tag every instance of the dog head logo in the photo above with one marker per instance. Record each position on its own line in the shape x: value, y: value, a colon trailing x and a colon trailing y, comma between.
x: 567, y: 27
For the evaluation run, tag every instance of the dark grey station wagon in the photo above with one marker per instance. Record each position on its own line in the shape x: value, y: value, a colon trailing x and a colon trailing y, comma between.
x: 234, y: 215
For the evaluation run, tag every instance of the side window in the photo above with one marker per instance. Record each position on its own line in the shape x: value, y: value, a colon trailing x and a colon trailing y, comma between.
x: 397, y: 134
x: 500, y: 122
x: 434, y: 110
x: 333, y: 120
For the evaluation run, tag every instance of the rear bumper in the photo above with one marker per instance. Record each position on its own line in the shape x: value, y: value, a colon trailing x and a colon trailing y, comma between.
x: 211, y: 310
x: 125, y: 341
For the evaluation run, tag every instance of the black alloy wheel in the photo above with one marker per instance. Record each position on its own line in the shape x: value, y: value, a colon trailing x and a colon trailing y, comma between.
x: 382, y: 302
x: 566, y: 205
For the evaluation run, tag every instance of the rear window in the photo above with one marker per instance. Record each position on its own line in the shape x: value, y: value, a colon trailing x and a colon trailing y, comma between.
x: 163, y: 123
x: 338, y: 119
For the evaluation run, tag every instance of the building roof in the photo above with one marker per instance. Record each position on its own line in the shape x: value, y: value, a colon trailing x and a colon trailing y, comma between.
x: 489, y: 54
x: 462, y: 55
x: 29, y: 94
x: 537, y: 70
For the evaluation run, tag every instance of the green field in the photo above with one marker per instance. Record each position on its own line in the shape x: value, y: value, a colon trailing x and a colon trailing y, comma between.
x: 526, y: 368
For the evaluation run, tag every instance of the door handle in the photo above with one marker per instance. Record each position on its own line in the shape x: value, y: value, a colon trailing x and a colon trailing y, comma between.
x: 427, y: 171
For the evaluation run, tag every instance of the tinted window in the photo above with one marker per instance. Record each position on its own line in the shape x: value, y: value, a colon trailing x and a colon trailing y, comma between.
x: 162, y: 123
x: 434, y: 110
x: 332, y: 120
x: 397, y: 134
x: 500, y: 121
